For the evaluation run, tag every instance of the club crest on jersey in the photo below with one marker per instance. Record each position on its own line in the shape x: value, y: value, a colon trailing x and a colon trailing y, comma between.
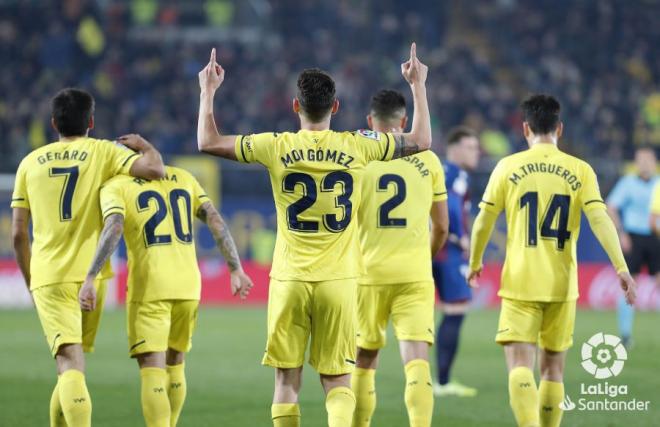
x: 368, y: 133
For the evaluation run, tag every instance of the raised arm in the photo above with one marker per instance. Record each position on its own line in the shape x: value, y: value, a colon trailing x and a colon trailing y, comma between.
x: 419, y: 137
x: 240, y: 282
x: 209, y: 139
x: 110, y: 236
x: 481, y: 230
x: 21, y: 241
x: 439, y: 226
x: 604, y: 230
x: 148, y: 166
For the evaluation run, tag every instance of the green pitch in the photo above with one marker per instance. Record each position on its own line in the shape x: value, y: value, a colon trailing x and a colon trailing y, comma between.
x: 228, y: 387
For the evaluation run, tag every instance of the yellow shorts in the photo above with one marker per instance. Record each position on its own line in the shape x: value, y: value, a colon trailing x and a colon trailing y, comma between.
x: 550, y: 324
x: 155, y: 326
x: 410, y: 305
x: 62, y: 319
x: 324, y: 310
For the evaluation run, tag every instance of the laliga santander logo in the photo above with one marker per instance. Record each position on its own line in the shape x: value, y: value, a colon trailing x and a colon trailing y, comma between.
x: 603, y: 356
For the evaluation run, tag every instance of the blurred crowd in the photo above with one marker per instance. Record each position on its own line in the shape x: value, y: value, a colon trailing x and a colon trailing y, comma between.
x: 140, y: 59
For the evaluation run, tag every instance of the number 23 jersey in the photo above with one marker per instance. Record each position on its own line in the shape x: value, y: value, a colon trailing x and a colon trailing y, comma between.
x: 543, y: 192
x: 315, y: 176
x: 158, y: 230
x: 59, y: 184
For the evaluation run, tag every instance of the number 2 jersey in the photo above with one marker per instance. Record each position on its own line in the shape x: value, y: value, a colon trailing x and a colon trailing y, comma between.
x: 394, y: 218
x: 543, y: 192
x: 315, y: 176
x: 59, y: 184
x: 158, y: 217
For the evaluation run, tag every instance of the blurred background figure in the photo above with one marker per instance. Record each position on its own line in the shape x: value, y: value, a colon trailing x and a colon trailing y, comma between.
x: 450, y: 268
x: 629, y: 206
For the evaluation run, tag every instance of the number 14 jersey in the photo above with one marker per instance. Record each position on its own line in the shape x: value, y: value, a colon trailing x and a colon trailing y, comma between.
x: 59, y: 184
x: 315, y: 176
x: 543, y: 192
x: 158, y: 231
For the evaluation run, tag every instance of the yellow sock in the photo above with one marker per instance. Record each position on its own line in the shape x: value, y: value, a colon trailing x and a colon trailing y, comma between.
x: 524, y: 397
x: 285, y: 414
x: 176, y: 391
x: 155, y: 403
x: 551, y: 394
x: 56, y: 414
x: 74, y: 398
x: 340, y: 404
x: 363, y: 384
x: 419, y: 393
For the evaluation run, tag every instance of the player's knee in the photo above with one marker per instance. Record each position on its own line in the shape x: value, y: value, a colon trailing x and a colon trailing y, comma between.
x: 412, y: 350
x: 174, y: 357
x: 366, y: 359
x: 151, y: 360
x: 333, y: 381
x: 552, y: 366
x: 70, y: 356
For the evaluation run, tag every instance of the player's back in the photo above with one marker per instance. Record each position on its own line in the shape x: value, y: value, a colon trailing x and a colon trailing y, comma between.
x: 59, y: 183
x: 315, y: 180
x: 158, y: 231
x: 543, y: 192
x: 394, y: 218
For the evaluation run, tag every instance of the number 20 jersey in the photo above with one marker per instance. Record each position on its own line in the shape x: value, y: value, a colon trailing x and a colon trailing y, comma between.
x: 543, y: 192
x: 315, y: 176
x: 158, y: 231
x: 394, y: 218
x: 59, y: 184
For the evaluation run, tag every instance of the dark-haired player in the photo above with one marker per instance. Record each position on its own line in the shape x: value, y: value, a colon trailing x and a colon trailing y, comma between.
x: 164, y: 282
x: 543, y: 192
x: 397, y: 199
x: 450, y: 267
x: 315, y: 175
x: 57, y: 187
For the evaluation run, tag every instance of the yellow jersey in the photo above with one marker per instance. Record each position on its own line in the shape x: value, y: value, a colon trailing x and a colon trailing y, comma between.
x: 59, y: 184
x: 315, y: 176
x: 394, y: 218
x: 158, y: 231
x: 543, y: 192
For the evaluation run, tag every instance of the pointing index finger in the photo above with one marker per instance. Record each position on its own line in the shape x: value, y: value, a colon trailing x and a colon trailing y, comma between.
x: 413, y: 51
x: 212, y: 61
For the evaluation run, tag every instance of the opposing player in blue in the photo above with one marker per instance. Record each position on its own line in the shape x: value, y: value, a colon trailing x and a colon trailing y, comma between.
x: 629, y: 205
x: 450, y: 267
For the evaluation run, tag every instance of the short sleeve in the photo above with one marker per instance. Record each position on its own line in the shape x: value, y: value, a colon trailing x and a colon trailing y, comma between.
x: 655, y: 200
x: 112, y: 200
x: 255, y: 148
x: 618, y: 195
x: 19, y: 198
x: 438, y: 180
x: 590, y: 197
x: 375, y: 145
x: 199, y: 195
x: 121, y: 158
x: 493, y: 198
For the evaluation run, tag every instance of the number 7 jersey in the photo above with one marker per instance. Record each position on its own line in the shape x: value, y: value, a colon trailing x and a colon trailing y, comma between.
x: 59, y: 184
x: 158, y: 217
x: 543, y: 192
x: 315, y: 176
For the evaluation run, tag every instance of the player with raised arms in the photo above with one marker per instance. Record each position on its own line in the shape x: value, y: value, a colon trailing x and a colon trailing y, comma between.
x: 57, y: 188
x: 164, y: 282
x: 398, y: 198
x: 543, y: 192
x: 315, y: 175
